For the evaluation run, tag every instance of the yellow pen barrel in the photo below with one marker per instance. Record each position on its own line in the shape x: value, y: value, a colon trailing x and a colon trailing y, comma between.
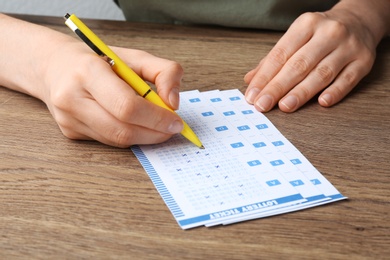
x: 135, y: 81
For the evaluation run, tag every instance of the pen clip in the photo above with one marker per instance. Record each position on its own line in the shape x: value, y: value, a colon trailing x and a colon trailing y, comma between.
x: 83, y: 37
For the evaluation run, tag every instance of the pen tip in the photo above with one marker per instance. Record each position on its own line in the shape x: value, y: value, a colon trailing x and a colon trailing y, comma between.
x: 202, y: 147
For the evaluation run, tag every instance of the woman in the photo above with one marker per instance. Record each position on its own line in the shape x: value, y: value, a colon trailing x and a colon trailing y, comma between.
x: 328, y: 51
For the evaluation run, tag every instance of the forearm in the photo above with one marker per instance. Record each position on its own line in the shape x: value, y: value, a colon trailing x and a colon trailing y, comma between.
x: 26, y: 48
x: 374, y: 15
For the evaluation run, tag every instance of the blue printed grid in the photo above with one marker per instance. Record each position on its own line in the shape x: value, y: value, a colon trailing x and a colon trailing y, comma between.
x: 183, y: 220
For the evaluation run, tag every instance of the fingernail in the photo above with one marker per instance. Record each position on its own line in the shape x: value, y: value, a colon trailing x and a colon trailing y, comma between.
x: 290, y: 102
x: 326, y: 99
x: 252, y: 94
x: 174, y: 98
x: 176, y: 127
x: 265, y: 103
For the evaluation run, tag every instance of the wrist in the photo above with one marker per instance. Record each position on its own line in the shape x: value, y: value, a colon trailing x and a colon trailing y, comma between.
x: 373, y: 16
x: 25, y: 56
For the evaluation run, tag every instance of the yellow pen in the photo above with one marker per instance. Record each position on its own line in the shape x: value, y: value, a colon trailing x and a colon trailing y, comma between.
x: 122, y: 70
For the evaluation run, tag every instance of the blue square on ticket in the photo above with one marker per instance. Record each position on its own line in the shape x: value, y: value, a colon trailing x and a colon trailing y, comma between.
x: 221, y: 128
x: 259, y: 144
x: 296, y: 183
x: 273, y: 183
x: 247, y: 112
x: 277, y: 162
x: 215, y: 100
x: 229, y: 113
x: 237, y: 145
x: 278, y: 143
x: 195, y: 100
x: 262, y: 126
x: 254, y: 163
x: 315, y: 181
x: 207, y: 113
x: 296, y: 161
x: 243, y: 128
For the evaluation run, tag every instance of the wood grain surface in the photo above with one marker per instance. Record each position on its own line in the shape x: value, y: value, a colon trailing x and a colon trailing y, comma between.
x: 63, y: 199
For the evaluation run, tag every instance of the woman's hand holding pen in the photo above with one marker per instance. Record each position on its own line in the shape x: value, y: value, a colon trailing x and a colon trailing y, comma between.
x: 329, y: 52
x: 89, y: 101
x: 86, y: 98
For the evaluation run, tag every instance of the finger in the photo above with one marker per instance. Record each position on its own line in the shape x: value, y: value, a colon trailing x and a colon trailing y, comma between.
x: 165, y: 74
x: 318, y: 79
x: 344, y: 83
x: 94, y: 122
x: 71, y: 127
x: 120, y: 100
x: 249, y: 76
x: 278, y: 57
x: 168, y: 84
x: 292, y: 73
x: 252, y: 91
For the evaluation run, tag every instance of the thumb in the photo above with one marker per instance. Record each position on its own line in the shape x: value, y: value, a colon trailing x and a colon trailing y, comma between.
x: 165, y: 74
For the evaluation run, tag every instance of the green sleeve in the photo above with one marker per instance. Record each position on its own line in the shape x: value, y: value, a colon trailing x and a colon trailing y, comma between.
x: 261, y: 14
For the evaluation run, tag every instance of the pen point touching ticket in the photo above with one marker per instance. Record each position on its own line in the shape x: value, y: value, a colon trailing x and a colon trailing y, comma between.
x: 122, y: 70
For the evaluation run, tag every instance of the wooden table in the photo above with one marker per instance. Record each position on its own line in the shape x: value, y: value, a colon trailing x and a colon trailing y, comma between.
x: 77, y: 199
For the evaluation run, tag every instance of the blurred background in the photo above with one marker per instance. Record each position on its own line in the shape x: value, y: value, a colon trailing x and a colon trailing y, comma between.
x: 97, y: 9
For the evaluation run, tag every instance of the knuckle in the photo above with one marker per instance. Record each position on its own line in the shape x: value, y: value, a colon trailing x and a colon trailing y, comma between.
x: 121, y: 137
x: 64, y: 91
x: 350, y: 78
x: 336, y: 29
x: 277, y: 88
x: 338, y: 91
x: 345, y: 84
x: 124, y: 108
x: 300, y: 66
x: 278, y: 56
x: 325, y: 74
x: 62, y: 97
x: 353, y: 44
x: 160, y: 121
x: 176, y: 67
x: 368, y: 59
x: 67, y: 127
x: 309, y: 18
x: 262, y: 80
x: 62, y: 121
x: 305, y: 93
x: 364, y: 62
x: 69, y: 133
x: 87, y: 67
